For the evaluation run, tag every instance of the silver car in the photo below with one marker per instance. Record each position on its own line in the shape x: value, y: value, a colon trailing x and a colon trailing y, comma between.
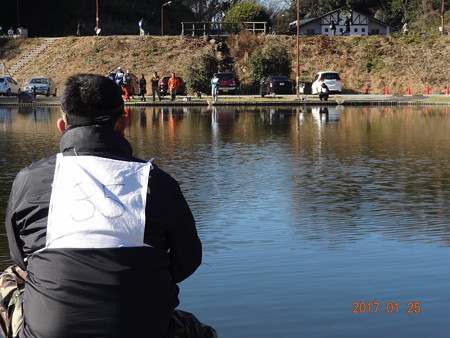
x: 8, y: 86
x: 41, y: 86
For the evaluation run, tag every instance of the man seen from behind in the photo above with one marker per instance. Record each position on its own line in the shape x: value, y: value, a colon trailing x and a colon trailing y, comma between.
x: 104, y: 236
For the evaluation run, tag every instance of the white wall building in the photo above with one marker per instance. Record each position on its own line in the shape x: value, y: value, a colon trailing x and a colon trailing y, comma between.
x: 360, y: 24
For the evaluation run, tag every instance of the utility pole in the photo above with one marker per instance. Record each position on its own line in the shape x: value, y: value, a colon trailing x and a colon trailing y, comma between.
x: 18, y: 16
x: 162, y: 16
x: 443, y: 13
x: 96, y: 17
x: 278, y: 19
x: 297, y: 87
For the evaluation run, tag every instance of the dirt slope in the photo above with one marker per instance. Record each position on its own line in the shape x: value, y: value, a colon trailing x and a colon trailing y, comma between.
x: 374, y: 61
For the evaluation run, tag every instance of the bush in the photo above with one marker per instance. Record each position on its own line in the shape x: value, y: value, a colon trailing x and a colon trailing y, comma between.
x: 244, y: 43
x: 199, y: 71
x: 271, y: 59
x: 248, y: 11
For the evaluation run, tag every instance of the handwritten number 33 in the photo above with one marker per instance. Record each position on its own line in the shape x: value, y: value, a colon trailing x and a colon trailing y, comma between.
x: 108, y: 206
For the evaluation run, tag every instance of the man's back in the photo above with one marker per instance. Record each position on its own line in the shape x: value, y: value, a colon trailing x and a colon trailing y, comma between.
x: 118, y: 292
x: 100, y: 291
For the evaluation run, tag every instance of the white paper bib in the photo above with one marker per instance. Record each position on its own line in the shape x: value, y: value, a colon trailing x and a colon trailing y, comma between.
x: 97, y: 203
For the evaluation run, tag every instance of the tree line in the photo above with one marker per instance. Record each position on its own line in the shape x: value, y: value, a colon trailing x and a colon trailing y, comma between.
x: 121, y: 17
x: 420, y: 13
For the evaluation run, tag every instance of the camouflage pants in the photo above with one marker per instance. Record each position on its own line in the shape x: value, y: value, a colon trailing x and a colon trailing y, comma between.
x: 12, y: 286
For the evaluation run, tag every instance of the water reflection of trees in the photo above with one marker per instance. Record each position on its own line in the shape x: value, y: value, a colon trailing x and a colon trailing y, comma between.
x: 379, y: 169
x: 372, y: 168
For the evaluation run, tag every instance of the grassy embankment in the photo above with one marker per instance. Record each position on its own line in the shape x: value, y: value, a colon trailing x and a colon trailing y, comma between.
x: 373, y: 61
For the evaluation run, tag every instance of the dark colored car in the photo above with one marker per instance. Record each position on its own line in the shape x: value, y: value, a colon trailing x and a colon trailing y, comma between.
x: 228, y: 83
x: 277, y: 85
x: 163, y: 86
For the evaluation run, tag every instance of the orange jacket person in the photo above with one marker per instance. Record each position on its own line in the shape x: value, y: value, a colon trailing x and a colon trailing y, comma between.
x: 173, y: 85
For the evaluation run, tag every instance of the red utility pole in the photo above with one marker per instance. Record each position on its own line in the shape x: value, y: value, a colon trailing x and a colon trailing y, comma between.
x: 96, y: 16
x: 298, y: 50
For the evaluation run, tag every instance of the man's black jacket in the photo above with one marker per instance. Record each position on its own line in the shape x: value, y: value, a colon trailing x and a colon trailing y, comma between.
x: 112, y: 292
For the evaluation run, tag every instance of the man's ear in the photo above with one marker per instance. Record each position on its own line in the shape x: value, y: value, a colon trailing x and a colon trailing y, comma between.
x: 61, y: 124
x: 121, y: 124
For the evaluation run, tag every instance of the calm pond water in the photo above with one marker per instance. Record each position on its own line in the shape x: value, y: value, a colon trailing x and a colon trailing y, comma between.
x: 314, y: 224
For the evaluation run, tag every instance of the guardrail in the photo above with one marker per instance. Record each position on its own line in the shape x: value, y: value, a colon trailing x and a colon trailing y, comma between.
x: 211, y: 28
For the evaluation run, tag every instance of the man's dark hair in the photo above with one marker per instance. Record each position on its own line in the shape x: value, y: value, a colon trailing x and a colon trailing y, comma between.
x: 89, y: 99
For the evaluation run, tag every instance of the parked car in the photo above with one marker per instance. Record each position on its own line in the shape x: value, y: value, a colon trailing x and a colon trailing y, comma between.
x: 41, y: 86
x: 277, y: 85
x: 330, y: 78
x: 163, y: 86
x: 228, y: 83
x: 8, y: 86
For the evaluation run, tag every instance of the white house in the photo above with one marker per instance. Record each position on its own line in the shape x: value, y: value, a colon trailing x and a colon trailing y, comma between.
x: 360, y: 24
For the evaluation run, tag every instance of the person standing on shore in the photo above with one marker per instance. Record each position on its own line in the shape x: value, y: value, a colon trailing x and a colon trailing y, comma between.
x: 155, y: 85
x: 118, y: 78
x: 405, y: 28
x: 173, y: 85
x: 127, y: 85
x: 215, y: 82
x: 141, y: 27
x: 79, y: 29
x: 142, y: 87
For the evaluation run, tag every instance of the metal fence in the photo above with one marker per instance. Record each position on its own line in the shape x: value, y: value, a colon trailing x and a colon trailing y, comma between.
x: 211, y: 28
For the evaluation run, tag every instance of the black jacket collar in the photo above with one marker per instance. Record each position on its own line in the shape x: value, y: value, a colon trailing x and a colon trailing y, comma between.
x: 94, y: 140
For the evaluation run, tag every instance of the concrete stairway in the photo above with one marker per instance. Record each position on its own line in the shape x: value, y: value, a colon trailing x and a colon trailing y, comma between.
x: 14, y: 69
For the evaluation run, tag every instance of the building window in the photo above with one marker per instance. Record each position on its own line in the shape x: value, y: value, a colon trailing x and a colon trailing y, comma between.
x: 355, y: 30
x: 326, y: 30
x: 363, y: 30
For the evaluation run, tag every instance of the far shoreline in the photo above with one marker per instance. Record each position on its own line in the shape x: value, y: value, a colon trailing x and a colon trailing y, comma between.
x: 255, y: 100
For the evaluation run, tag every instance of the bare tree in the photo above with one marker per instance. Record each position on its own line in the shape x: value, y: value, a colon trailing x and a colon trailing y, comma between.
x: 209, y: 10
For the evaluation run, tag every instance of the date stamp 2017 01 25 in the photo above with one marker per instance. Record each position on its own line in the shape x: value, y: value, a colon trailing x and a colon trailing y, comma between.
x: 389, y: 307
